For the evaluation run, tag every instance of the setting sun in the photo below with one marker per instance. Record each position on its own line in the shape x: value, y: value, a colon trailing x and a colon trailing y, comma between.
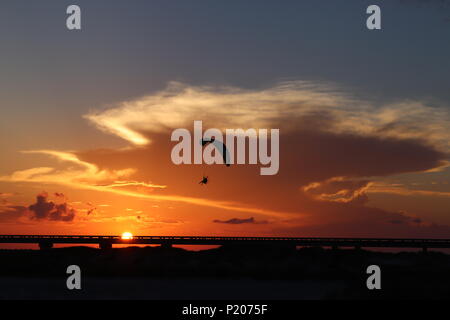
x: 127, y: 236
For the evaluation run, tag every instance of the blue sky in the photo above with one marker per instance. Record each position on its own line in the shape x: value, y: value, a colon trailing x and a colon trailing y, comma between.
x: 130, y: 48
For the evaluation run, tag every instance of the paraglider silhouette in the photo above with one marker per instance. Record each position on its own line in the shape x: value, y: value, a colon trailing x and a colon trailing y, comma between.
x: 204, y: 180
x: 222, y: 149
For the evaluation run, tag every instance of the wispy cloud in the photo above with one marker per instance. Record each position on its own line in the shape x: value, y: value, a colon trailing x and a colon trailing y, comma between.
x: 379, y: 187
x: 89, y: 177
x: 338, y: 189
x: 11, y: 213
x: 228, y: 107
x: 118, y: 184
x: 83, y: 172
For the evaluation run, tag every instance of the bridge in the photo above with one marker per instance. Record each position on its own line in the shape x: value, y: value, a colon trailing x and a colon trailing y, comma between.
x: 106, y: 242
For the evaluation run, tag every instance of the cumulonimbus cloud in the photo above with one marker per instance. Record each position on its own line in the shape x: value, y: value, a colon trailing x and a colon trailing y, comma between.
x: 48, y: 210
x: 42, y: 210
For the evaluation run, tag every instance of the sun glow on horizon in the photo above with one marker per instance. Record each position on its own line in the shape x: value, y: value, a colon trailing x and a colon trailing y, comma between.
x: 127, y: 236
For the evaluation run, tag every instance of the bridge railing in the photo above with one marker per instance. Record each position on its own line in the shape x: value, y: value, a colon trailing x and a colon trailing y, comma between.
x: 312, y: 240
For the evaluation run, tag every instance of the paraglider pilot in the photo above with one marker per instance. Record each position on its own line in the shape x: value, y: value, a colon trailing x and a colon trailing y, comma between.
x: 204, y: 180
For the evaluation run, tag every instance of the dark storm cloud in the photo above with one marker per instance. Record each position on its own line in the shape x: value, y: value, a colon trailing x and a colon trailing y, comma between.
x: 406, y: 219
x: 48, y: 210
x: 319, y: 156
x: 240, y: 221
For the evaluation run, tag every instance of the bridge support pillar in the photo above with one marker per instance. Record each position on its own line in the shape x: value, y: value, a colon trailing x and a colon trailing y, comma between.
x: 105, y: 245
x: 45, y: 245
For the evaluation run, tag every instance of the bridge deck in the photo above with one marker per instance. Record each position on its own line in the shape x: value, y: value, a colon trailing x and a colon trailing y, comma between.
x: 207, y: 240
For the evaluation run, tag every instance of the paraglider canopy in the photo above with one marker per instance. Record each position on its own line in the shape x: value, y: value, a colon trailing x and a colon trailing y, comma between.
x: 221, y: 147
x: 205, y: 142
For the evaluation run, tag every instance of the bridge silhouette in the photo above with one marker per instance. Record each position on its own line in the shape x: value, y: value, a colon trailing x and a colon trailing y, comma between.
x: 106, y: 242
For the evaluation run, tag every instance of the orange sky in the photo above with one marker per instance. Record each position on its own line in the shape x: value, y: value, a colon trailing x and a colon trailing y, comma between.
x: 348, y: 167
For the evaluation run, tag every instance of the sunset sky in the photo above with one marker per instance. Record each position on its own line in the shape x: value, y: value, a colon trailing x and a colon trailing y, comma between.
x: 364, y: 117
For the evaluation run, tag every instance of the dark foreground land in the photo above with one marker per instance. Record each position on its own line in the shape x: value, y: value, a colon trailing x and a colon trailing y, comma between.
x: 222, y: 273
